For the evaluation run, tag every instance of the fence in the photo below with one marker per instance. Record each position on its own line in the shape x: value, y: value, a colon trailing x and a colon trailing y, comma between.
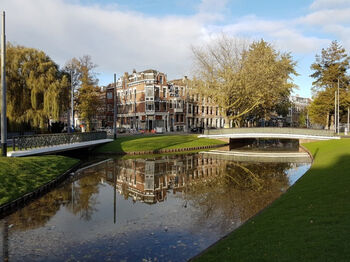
x: 34, y: 141
x: 270, y: 130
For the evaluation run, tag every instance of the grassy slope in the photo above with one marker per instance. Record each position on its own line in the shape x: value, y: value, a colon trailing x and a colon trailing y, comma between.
x: 146, y: 143
x: 22, y: 175
x: 311, y: 222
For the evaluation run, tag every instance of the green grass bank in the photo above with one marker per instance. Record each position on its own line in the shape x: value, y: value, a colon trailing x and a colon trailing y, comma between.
x: 158, y: 142
x: 311, y: 222
x: 19, y: 176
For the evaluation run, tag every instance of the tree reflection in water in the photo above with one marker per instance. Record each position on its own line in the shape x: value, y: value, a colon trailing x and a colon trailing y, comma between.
x: 238, y: 192
x: 78, y: 197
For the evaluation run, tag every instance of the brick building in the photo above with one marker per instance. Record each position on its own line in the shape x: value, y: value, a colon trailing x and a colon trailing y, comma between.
x: 148, y: 100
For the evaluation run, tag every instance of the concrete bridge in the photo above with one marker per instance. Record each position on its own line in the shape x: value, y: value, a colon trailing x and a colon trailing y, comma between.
x: 55, y: 143
x: 270, y: 132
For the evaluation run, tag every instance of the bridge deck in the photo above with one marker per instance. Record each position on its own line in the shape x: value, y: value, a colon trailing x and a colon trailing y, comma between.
x: 271, y: 132
x: 272, y: 135
x: 56, y: 149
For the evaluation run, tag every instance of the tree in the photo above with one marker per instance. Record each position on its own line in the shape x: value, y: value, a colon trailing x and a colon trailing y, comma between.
x: 88, y: 94
x: 329, y: 68
x: 37, y: 90
x: 321, y: 106
x: 242, y: 79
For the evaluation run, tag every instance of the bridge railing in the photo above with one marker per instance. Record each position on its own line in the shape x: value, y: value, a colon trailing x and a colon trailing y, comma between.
x: 35, y: 141
x: 270, y: 130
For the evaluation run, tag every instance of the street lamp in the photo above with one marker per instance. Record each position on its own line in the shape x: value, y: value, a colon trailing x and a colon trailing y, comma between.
x: 72, y: 99
x: 3, y: 90
x: 336, y: 108
x: 115, y: 108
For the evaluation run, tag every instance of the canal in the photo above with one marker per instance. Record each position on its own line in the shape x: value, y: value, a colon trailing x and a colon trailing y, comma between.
x: 161, y: 208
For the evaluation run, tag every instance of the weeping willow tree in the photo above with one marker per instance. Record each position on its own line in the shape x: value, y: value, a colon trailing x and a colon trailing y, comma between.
x: 37, y: 90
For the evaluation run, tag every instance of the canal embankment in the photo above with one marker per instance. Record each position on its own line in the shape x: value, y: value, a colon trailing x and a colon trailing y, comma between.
x: 23, y: 178
x: 310, y: 222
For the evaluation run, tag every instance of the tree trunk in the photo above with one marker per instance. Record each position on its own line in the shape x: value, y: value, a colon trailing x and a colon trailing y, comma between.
x: 227, y: 122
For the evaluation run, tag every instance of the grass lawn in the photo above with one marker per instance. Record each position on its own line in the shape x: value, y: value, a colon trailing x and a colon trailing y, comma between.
x: 147, y: 143
x: 311, y: 222
x: 22, y: 175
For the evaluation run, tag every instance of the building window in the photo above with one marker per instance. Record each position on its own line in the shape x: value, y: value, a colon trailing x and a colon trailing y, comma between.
x: 149, y: 91
x: 164, y: 92
x: 202, y: 109
x: 156, y: 92
x: 149, y: 106
x: 109, y: 95
x: 171, y: 104
x: 161, y: 79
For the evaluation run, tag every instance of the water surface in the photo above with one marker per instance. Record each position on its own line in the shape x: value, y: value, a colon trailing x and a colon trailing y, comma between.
x: 165, y: 208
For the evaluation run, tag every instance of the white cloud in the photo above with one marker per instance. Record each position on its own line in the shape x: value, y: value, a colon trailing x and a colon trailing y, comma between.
x: 117, y: 41
x: 328, y: 4
x: 283, y: 34
x: 327, y: 16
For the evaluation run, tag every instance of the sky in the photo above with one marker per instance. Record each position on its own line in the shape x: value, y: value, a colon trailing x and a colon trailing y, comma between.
x: 122, y: 35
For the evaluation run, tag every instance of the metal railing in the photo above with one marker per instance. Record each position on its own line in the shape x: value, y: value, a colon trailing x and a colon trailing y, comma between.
x: 35, y: 141
x: 270, y: 130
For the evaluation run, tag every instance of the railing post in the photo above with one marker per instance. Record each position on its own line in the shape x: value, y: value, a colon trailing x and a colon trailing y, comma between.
x: 13, y: 144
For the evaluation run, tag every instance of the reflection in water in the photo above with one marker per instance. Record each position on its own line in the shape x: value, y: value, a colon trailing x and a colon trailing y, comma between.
x: 167, y: 207
x: 265, y: 144
x: 5, y: 240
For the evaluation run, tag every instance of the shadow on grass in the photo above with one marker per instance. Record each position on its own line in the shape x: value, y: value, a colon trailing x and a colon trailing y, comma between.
x: 308, y: 223
x: 315, y: 154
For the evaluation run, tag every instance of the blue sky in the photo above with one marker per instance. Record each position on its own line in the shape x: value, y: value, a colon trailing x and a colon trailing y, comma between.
x: 122, y: 35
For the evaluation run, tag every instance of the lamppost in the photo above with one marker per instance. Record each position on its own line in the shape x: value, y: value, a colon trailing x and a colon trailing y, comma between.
x: 115, y: 108
x: 72, y: 99
x: 3, y: 91
x: 338, y: 110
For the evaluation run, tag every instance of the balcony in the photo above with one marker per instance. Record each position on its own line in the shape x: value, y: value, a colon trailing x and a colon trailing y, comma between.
x: 178, y: 110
